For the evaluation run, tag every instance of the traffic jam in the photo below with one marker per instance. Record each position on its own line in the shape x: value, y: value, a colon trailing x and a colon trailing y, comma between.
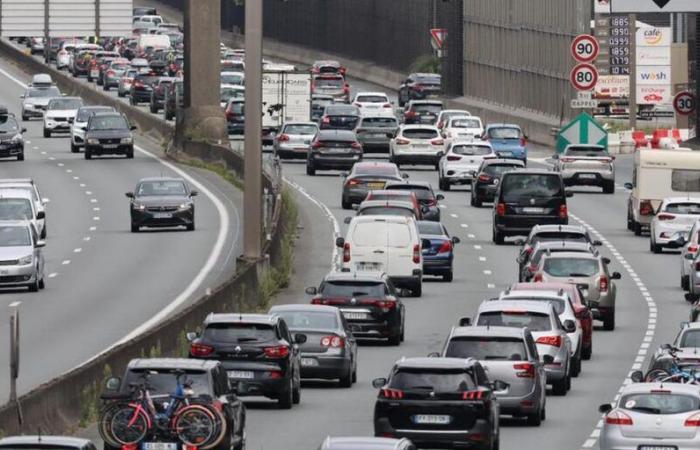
x: 393, y: 163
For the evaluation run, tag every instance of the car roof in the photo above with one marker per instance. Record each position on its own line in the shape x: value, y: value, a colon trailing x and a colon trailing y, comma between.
x: 675, y: 388
x: 304, y: 307
x: 369, y: 276
x: 145, y: 179
x: 47, y: 440
x: 426, y: 74
x: 529, y: 171
x: 573, y: 245
x: 426, y: 102
x: 387, y: 203
x: 502, y: 125
x: 365, y: 164
x: 471, y: 141
x: 371, y: 93
x: 345, y: 134
x: 418, y: 126
x: 14, y: 193
x: 96, y: 108
x: 511, y: 161
x: 685, y: 199
x: 479, y: 330
x: 67, y: 98
x: 577, y: 255
x: 524, y: 305
x: 553, y: 294
x: 393, y: 192
x: 107, y: 114
x: 339, y: 107
x: 562, y: 228
x: 434, y: 363
x: 364, y: 442
x: 15, y: 223
x: 172, y: 363
x: 16, y: 181
x: 263, y: 319
x: 300, y: 123
x: 691, y: 326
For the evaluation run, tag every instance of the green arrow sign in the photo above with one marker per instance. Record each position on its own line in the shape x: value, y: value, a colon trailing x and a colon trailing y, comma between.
x: 582, y: 130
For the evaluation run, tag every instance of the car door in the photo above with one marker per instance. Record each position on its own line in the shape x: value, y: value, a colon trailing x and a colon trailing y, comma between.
x: 349, y: 337
x: 401, y: 239
x: 368, y: 245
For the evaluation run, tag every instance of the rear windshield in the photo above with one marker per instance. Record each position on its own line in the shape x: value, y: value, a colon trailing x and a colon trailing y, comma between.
x: 431, y: 380
x: 108, y: 123
x: 435, y: 109
x: 371, y: 99
x: 16, y: 209
x: 537, y: 256
x: 301, y: 129
x: 684, y: 180
x: 538, y: 185
x: 403, y: 196
x: 237, y: 108
x: 587, y: 151
x: 691, y: 339
x: 163, y: 382
x: 343, y: 289
x: 309, y: 320
x: 487, y: 348
x: 428, y: 79
x: 329, y: 82
x: 517, y: 319
x: 239, y: 332
x: 558, y: 303
x: 504, y: 133
x: 659, y: 403
x: 683, y: 208
x: 229, y: 93
x: 499, y: 169
x: 425, y: 227
x: 571, y: 267
x: 386, y: 211
x: 44, y: 92
x: 65, y: 104
x: 465, y: 123
x: 558, y: 236
x: 340, y: 122
x: 471, y: 150
x: 419, y: 133
x: 380, y: 122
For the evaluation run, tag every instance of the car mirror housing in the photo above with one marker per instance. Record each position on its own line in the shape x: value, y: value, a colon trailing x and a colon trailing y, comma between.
x: 40, y: 215
x: 637, y: 376
x: 194, y: 193
x: 629, y: 186
x: 191, y: 336
x: 456, y: 240
x: 339, y: 242
x: 605, y: 408
x: 379, y: 383
x: 606, y: 260
x: 616, y: 276
x: 300, y: 338
x: 569, y: 326
x: 40, y: 244
x: 465, y: 322
x: 129, y: 194
x: 548, y: 359
x: 440, y: 197
x: 311, y: 290
x: 113, y: 383
x: 433, y: 355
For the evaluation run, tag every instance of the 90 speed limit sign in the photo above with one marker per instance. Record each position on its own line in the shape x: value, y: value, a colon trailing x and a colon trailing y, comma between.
x: 585, y: 48
x: 584, y: 77
x: 684, y: 103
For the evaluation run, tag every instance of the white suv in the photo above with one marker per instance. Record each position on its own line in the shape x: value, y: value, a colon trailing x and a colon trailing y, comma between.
x: 416, y: 144
x: 461, y: 161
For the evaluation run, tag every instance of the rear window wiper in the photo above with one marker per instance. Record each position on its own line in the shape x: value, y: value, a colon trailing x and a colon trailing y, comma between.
x: 646, y: 409
x: 247, y: 339
x: 579, y: 275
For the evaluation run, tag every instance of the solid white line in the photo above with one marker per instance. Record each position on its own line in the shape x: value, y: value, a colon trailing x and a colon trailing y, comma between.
x: 482, y: 258
x: 66, y: 262
x: 53, y: 275
x: 14, y: 304
x: 77, y: 250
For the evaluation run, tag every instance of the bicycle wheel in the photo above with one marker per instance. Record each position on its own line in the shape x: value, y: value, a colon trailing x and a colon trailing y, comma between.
x: 129, y: 426
x: 195, y: 425
x: 656, y: 375
x: 220, y: 429
x: 105, y: 422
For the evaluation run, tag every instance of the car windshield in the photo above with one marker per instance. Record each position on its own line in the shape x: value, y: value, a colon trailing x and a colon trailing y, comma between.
x: 347, y: 289
x: 14, y: 236
x: 239, y: 332
x: 173, y: 187
x: 340, y: 122
x: 504, y: 133
x: 386, y: 211
x: 683, y: 208
x: 659, y: 402
x: 428, y: 79
x: 424, y: 194
x: 65, y: 104
x: 309, y: 320
x: 235, y: 79
x: 108, y: 123
x: 446, y: 381
x: 571, y: 267
x: 8, y: 124
x: 427, y: 108
x: 471, y: 150
x: 162, y: 382
x: 516, y: 319
x: 419, y: 133
x: 16, y: 209
x: 371, y: 99
x: 147, y: 79
x: 691, y: 338
x: 434, y: 228
x: 85, y: 113
x: 558, y: 303
x: 587, y: 151
x: 558, y: 236
x: 43, y: 92
x: 487, y: 348
x: 465, y: 123
x: 229, y: 93
x: 379, y: 122
x: 516, y: 186
x: 329, y: 82
x: 301, y: 129
x: 500, y: 169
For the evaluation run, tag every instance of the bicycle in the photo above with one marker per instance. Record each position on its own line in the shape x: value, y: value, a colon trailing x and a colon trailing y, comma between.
x: 674, y: 371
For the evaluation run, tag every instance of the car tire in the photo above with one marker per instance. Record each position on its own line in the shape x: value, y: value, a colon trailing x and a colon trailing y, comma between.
x: 654, y: 247
x: 25, y: 117
x: 42, y: 283
x: 346, y: 380
x: 310, y: 170
x: 534, y: 419
x: 637, y: 227
x: 20, y: 157
x: 447, y: 277
x: 88, y: 153
x: 47, y: 133
x: 497, y: 237
x: 345, y: 204
x: 285, y: 400
x: 121, y: 94
x: 685, y: 282
x: 152, y: 108
x: 609, y: 322
x: 168, y: 115
x: 630, y: 222
x: 105, y: 87
x: 43, y: 232
x: 417, y: 290
x: 576, y: 365
x: 74, y: 148
x: 609, y: 187
x: 559, y: 387
x: 135, y: 228
x: 476, y: 201
x: 395, y: 339
x: 444, y: 185
x: 34, y: 287
x: 587, y: 352
x: 130, y: 154
x: 296, y: 394
x: 568, y: 381
x: 190, y: 227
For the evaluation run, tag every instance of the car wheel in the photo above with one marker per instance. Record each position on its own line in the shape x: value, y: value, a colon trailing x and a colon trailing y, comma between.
x: 637, y: 228
x: 417, y: 290
x: 497, y: 237
x: 476, y: 201
x: 74, y: 148
x: 47, y: 133
x: 346, y: 380
x: 576, y: 365
x: 587, y: 352
x: 296, y: 394
x: 20, y: 157
x: 121, y: 94
x: 534, y: 419
x: 168, y: 115
x: 568, y: 381
x: 345, y: 204
x: 285, y: 401
x: 34, y: 287
x: 43, y: 232
x: 654, y: 247
x: 444, y: 185
x: 310, y: 170
x: 609, y: 321
x: 25, y: 117
x: 544, y: 413
x: 152, y: 108
x: 395, y: 339
x: 130, y: 154
x: 629, y: 221
x: 88, y: 153
x: 559, y: 387
x: 190, y: 227
x: 496, y: 445
x: 42, y: 283
x: 354, y: 375
x: 685, y: 282
x: 135, y: 228
x: 609, y: 187
x: 447, y: 277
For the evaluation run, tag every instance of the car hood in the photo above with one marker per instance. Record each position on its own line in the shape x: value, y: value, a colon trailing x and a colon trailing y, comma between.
x: 7, y: 136
x: 37, y: 101
x: 61, y: 113
x: 108, y: 134
x: 10, y: 253
x: 162, y: 200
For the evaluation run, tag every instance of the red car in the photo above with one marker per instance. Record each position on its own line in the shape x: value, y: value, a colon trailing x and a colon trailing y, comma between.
x: 653, y: 98
x: 583, y: 314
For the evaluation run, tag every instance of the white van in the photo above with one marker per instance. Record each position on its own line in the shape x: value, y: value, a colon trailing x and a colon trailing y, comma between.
x: 157, y: 41
x: 389, y: 244
x: 658, y: 174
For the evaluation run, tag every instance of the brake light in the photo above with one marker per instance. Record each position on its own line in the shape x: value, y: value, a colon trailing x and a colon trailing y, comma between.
x: 445, y: 247
x: 580, y: 311
x: 319, y: 301
x: 356, y: 146
x: 276, y: 374
x: 501, y: 209
x: 278, y: 351
x: 523, y: 142
x: 353, y: 182
x: 524, y: 370
x: 453, y: 158
x: 393, y: 394
x: 416, y: 254
x: 528, y: 250
x: 567, y: 160
x: 333, y: 341
x: 409, y: 114
x: 693, y: 421
x: 384, y: 305
x: 201, y: 350
x: 110, y: 73
x: 554, y: 341
x: 563, y: 211
x: 645, y: 208
x: 418, y: 87
x: 473, y: 395
x: 666, y: 217
x: 484, y: 178
x: 283, y: 138
x: 692, y: 248
x: 697, y: 266
x: 326, y: 119
x: 387, y: 105
x: 401, y: 141
x: 346, y: 252
x: 346, y: 88
x: 317, y: 144
x: 437, y: 141
x: 603, y: 283
x: 617, y: 417
x: 538, y: 277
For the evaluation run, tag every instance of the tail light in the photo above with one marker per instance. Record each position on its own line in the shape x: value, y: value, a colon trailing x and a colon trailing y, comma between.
x: 317, y: 144
x: 554, y: 341
x: 563, y: 211
x: 318, y: 301
x: 437, y: 141
x: 603, y: 283
x: 401, y: 141
x: 445, y: 247
x: 384, y: 305
x: 393, y: 394
x: 410, y: 114
x: 359, y: 105
x: 528, y: 250
x: 333, y: 341
x: 283, y: 138
x: 416, y: 254
x: 440, y: 125
x: 666, y: 217
x: 276, y: 374
x: 567, y: 160
x: 346, y: 252
x: 201, y: 350
x: 697, y: 266
x: 454, y: 158
x: 501, y: 209
x: 418, y: 87
x: 386, y: 105
x: 523, y: 142
x: 524, y: 370
x: 484, y: 178
x: 538, y: 277
x: 326, y: 119
x: 137, y: 84
x: 353, y: 182
x: 693, y: 421
x: 278, y: 351
x: 692, y: 248
x: 473, y: 395
x: 356, y: 146
x: 580, y: 311
x: 346, y: 89
x: 645, y: 208
x: 110, y: 73
x: 617, y: 417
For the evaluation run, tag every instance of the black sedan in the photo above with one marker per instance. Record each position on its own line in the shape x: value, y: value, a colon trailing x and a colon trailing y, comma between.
x: 488, y: 176
x: 11, y: 140
x: 162, y: 202
x: 368, y: 176
x: 426, y: 197
x: 333, y: 150
x: 330, y: 351
x: 109, y: 133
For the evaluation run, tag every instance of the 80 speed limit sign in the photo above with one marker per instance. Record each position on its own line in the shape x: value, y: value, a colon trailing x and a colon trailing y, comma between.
x: 684, y: 103
x: 584, y: 77
x: 585, y: 48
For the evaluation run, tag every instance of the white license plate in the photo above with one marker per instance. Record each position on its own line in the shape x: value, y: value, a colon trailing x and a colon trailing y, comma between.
x: 162, y: 215
x: 354, y: 315
x: 368, y: 266
x: 529, y: 210
x: 245, y: 374
x: 159, y: 446
x: 94, y: 74
x: 431, y: 419
x: 309, y: 362
x: 4, y: 272
x: 111, y: 146
x: 657, y: 447
x: 506, y: 153
x: 588, y: 176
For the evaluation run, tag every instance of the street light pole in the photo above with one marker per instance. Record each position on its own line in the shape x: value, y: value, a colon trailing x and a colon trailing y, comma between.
x: 14, y: 358
x: 252, y: 183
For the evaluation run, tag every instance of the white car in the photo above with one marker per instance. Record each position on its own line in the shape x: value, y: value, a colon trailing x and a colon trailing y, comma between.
x: 35, y: 100
x: 372, y: 103
x: 462, y: 159
x: 77, y: 129
x: 229, y: 91
x: 674, y: 219
x: 416, y: 144
x: 60, y: 114
x: 235, y: 78
x: 461, y: 127
x: 652, y: 416
x: 445, y: 115
x: 63, y: 56
x: 20, y: 205
x: 27, y: 185
x: 688, y: 253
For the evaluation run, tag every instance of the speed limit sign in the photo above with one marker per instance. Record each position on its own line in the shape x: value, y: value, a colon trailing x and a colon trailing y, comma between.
x: 585, y: 48
x: 684, y: 103
x: 584, y: 77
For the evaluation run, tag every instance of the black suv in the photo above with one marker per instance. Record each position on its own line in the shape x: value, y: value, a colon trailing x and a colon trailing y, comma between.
x: 208, y: 379
x: 333, y: 150
x: 109, y: 133
x: 419, y: 86
x: 11, y: 139
x: 141, y: 88
x: 488, y: 176
x: 443, y: 402
x: 369, y: 302
x: 526, y: 198
x: 256, y: 350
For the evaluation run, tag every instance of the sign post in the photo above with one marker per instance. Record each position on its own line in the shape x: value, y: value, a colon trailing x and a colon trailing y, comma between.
x: 438, y: 36
x: 582, y: 130
x: 14, y: 358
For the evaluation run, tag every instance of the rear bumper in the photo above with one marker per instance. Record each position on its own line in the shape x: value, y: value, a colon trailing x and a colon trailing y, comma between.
x: 586, y: 178
x: 436, y: 266
x: 328, y: 368
x: 417, y: 158
x: 481, y: 431
x: 100, y: 150
x: 522, y: 225
x: 333, y: 162
x: 612, y: 439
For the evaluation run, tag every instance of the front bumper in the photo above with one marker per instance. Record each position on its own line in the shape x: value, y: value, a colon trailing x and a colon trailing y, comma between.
x: 162, y: 219
x: 57, y: 126
x: 11, y: 149
x: 33, y: 111
x: 15, y: 276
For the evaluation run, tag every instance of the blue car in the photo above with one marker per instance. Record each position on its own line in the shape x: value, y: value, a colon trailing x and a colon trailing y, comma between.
x: 507, y: 140
x: 438, y: 249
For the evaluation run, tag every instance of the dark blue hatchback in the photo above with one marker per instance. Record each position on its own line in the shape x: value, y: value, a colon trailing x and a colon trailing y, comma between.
x: 438, y: 249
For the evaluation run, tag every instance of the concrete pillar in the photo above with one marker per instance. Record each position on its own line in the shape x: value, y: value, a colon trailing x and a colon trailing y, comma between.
x: 201, y: 118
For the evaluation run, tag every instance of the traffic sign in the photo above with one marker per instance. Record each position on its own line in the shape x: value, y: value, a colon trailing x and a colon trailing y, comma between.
x: 584, y: 77
x: 666, y: 6
x: 582, y: 130
x: 585, y: 48
x: 684, y: 103
x: 438, y: 37
x: 578, y: 103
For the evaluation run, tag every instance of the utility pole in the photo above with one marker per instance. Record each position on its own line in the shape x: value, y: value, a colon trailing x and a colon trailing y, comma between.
x: 14, y: 358
x: 633, y: 72
x: 252, y: 183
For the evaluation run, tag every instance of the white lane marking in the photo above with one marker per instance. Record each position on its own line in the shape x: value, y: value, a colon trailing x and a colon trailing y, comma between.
x: 69, y: 171
x: 589, y: 443
x: 454, y: 216
x: 87, y: 238
x: 464, y: 225
x: 93, y: 228
x: 51, y: 158
x: 60, y: 164
x: 14, y: 304
x: 482, y: 258
x: 96, y: 209
x: 77, y: 250
x: 491, y: 286
x: 65, y: 262
x: 88, y: 192
x: 43, y: 153
x: 93, y: 200
x: 96, y: 218
x: 82, y: 185
x: 487, y: 272
x: 471, y: 236
x: 477, y: 247
x: 76, y: 178
x: 53, y: 275
x: 442, y: 206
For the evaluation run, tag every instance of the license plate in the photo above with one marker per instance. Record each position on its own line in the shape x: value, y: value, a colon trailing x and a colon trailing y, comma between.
x: 159, y: 446
x: 375, y: 185
x: 368, y: 266
x: 162, y: 215
x: 588, y: 176
x: 245, y: 374
x: 506, y: 153
x: 431, y: 419
x: 657, y: 447
x: 533, y: 210
x: 309, y: 362
x: 354, y: 315
x: 110, y: 146
x: 94, y: 74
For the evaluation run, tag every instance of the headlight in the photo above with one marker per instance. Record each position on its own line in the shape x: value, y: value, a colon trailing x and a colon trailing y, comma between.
x: 184, y: 206
x: 26, y: 260
x: 93, y: 141
x: 17, y: 138
x: 138, y: 206
x: 126, y: 140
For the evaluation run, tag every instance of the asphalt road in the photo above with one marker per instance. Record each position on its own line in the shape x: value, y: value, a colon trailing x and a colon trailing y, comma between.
x: 103, y: 282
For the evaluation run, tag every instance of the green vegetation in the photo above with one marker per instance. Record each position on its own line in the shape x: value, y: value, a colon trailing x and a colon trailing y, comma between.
x: 426, y: 63
x: 90, y: 399
x: 218, y: 168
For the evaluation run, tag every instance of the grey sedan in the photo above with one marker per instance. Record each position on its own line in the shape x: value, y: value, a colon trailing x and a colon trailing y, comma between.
x: 294, y: 139
x: 21, y: 256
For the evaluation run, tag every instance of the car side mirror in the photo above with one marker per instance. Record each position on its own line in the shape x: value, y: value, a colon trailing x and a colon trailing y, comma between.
x: 569, y: 326
x: 637, y: 376
x: 499, y: 385
x: 404, y: 292
x: 597, y: 243
x: 569, y: 194
x: 465, y: 322
x: 191, y: 336
x: 311, y: 290
x: 379, y: 383
x: 606, y: 260
x: 548, y: 359
x: 404, y: 176
x: 456, y: 240
x: 344, y: 174
x: 130, y: 194
x: 113, y: 383
x: 24, y: 130
x: 440, y: 197
x: 40, y: 244
x: 433, y: 355
x: 690, y: 298
x: 355, y: 206
x: 300, y: 338
x: 680, y: 241
x: 21, y: 96
x: 425, y: 209
x: 519, y: 242
x: 628, y: 186
x: 133, y: 127
x: 40, y: 215
x: 339, y: 242
x: 239, y: 388
x: 616, y: 276
x: 347, y: 220
x: 555, y: 156
x: 605, y: 408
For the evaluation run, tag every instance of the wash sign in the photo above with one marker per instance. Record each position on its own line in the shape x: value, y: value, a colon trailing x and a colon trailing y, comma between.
x: 582, y: 130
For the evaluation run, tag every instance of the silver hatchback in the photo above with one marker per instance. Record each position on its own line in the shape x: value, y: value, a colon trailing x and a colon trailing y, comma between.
x: 21, y: 256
